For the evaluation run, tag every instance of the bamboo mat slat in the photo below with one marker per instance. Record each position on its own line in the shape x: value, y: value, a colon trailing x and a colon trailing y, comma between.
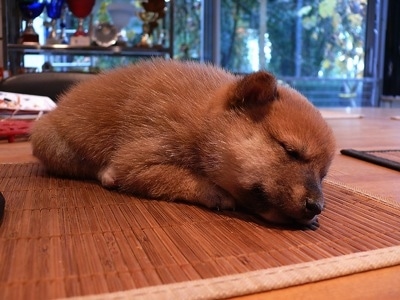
x: 63, y: 238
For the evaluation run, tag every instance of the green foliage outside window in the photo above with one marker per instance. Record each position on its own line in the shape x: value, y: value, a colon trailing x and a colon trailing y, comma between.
x: 323, y: 38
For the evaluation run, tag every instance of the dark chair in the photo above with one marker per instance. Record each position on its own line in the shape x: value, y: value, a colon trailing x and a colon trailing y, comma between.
x: 50, y: 84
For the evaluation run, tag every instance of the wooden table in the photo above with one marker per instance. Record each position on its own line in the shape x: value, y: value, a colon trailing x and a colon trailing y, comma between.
x: 375, y: 131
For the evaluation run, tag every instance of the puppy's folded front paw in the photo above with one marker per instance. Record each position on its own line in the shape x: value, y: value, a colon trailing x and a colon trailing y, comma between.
x: 220, y: 200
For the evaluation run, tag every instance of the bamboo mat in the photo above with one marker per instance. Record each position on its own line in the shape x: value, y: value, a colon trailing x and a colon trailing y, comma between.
x: 385, y: 158
x: 63, y: 238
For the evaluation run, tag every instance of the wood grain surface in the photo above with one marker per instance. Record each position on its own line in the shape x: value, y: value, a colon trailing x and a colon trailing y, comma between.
x: 376, y: 130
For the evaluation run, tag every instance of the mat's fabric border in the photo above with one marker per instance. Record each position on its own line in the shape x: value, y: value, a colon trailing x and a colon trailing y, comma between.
x: 393, y: 203
x: 263, y: 280
x: 369, y: 157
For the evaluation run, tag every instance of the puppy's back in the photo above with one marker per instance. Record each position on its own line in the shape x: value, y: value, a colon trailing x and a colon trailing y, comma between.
x: 131, y: 102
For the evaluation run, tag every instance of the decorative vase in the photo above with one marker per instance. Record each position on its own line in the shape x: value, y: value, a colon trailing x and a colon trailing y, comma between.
x: 30, y: 10
x: 147, y: 17
x: 80, y: 9
x: 54, y: 9
x: 120, y: 14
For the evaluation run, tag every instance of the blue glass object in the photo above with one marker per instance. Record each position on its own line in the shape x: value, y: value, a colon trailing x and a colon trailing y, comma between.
x: 54, y: 8
x: 31, y: 9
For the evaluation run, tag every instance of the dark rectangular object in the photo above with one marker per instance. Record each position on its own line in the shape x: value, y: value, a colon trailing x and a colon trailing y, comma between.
x: 385, y: 158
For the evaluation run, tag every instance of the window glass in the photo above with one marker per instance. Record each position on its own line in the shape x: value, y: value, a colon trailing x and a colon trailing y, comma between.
x: 301, y: 38
x: 316, y: 46
x: 187, y: 29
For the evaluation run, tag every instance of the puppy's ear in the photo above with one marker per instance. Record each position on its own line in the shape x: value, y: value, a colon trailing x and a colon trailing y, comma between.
x: 253, y: 93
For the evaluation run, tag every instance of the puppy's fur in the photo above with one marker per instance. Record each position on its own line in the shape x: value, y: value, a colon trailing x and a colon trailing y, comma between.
x: 192, y: 132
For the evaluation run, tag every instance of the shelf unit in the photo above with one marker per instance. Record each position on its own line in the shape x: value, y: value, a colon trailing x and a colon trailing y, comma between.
x: 89, y: 50
x: 13, y: 53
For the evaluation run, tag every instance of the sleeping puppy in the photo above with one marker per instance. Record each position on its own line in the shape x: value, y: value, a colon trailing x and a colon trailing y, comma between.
x: 184, y: 131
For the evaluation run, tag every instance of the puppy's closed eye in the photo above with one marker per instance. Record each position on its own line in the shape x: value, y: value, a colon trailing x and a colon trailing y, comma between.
x: 291, y: 151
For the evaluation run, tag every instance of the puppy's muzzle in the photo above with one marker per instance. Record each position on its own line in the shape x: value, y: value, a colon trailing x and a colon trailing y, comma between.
x: 313, y: 207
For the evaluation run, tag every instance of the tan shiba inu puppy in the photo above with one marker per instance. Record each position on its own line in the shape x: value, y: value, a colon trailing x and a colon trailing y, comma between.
x: 192, y: 132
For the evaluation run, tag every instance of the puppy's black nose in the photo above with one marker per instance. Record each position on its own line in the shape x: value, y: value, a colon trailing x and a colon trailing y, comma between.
x: 313, y: 207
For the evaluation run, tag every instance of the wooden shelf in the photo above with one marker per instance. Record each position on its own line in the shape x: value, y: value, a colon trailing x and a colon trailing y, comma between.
x: 62, y: 49
x: 14, y: 53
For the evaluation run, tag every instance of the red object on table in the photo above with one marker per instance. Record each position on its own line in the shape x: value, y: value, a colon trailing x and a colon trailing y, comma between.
x: 11, y: 128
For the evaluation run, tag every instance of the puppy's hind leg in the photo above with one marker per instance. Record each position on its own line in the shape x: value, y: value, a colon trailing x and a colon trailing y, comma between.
x: 57, y: 155
x: 142, y: 173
